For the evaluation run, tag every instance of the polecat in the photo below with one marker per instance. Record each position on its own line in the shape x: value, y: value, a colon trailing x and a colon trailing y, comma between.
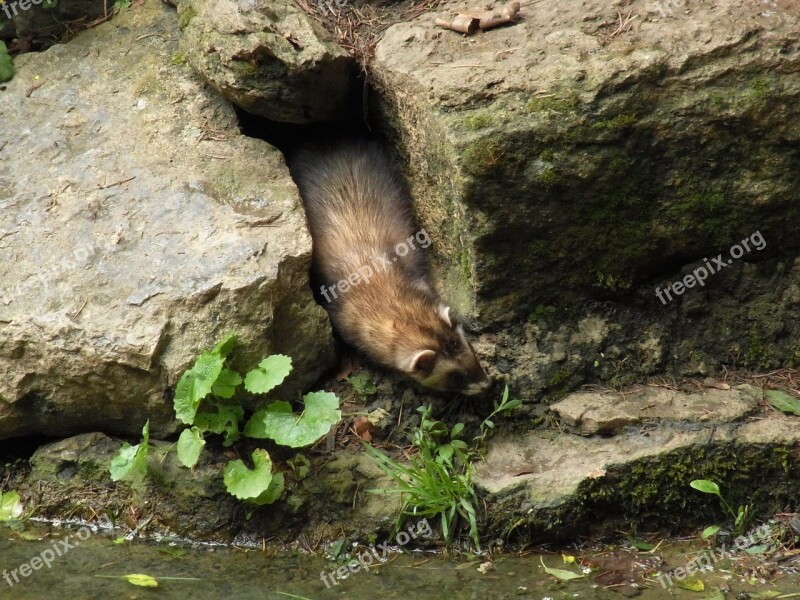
x: 368, y: 262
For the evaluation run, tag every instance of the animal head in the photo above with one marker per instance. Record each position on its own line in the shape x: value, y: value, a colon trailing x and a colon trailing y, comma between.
x: 447, y: 361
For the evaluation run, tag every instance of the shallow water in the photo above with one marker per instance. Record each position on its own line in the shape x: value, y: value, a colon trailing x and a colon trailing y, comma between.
x: 83, y: 568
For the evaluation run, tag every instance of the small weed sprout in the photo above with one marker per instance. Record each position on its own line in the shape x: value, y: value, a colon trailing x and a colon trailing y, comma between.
x: 741, y: 518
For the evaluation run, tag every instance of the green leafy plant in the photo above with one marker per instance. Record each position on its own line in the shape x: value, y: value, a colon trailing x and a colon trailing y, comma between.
x: 278, y: 422
x: 206, y: 399
x: 741, y: 517
x: 362, y: 384
x: 10, y: 506
x: 6, y: 64
x: 504, y: 406
x: 131, y: 461
x: 438, y: 479
x: 784, y: 402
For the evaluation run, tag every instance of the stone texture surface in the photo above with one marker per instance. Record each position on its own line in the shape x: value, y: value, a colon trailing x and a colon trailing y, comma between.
x: 611, y: 412
x: 46, y: 21
x: 70, y: 477
x: 547, y: 483
x: 269, y: 57
x: 136, y: 228
x: 567, y: 167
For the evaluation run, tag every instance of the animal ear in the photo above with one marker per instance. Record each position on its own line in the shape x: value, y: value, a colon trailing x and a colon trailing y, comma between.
x: 422, y: 362
x: 444, y: 313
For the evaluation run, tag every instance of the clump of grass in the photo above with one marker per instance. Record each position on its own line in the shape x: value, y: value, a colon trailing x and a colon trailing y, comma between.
x: 438, y: 479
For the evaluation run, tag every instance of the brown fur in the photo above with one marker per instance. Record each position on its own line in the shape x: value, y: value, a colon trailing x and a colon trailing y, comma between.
x: 357, y: 210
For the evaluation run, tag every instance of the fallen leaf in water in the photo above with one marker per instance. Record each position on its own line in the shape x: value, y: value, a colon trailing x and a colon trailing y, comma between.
x: 485, y: 567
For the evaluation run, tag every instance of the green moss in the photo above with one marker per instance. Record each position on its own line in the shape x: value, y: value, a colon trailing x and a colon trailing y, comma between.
x: 758, y: 355
x: 613, y: 282
x: 488, y: 155
x: 760, y: 89
x: 185, y: 17
x: 178, y: 59
x: 541, y: 312
x: 558, y: 379
x: 477, y: 121
x: 466, y: 271
x: 244, y: 68
x: 702, y: 203
x: 554, y: 103
x: 547, y: 155
x: 547, y: 177
x: 718, y: 101
x: 659, y: 487
x: 483, y: 156
x: 615, y: 124
x: 654, y: 492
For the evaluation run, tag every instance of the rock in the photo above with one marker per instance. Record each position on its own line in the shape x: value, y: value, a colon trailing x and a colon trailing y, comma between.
x: 70, y: 478
x: 567, y: 166
x: 137, y: 227
x: 611, y: 412
x: 49, y: 20
x: 552, y: 484
x: 268, y: 57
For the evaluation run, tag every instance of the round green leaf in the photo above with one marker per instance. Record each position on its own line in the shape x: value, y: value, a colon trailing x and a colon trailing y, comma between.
x: 224, y: 346
x: 709, y: 531
x: 269, y: 373
x: 225, y: 421
x: 195, y: 384
x: 705, y: 486
x: 245, y: 483
x: 225, y: 385
x: 141, y: 580
x: 10, y: 506
x: 278, y: 422
x: 273, y: 492
x: 190, y: 445
x: 131, y: 460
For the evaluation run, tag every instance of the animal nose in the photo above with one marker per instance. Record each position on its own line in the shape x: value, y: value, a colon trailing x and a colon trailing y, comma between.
x: 479, y: 387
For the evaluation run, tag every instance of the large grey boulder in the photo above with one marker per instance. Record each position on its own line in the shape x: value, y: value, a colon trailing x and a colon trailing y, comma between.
x: 137, y: 227
x: 269, y: 57
x: 556, y: 483
x: 571, y: 163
